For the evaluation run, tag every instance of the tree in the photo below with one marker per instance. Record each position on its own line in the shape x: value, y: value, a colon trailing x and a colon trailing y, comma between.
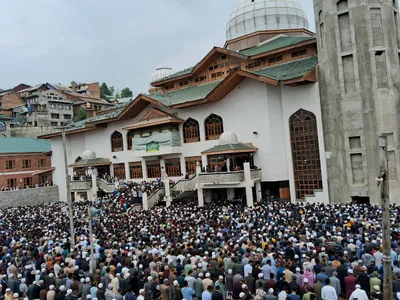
x: 81, y: 114
x: 126, y: 92
x: 73, y: 83
x: 112, y: 90
x: 104, y: 91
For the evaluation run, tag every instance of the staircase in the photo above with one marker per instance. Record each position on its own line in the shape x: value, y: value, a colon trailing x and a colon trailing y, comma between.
x: 107, y: 187
x: 181, y: 189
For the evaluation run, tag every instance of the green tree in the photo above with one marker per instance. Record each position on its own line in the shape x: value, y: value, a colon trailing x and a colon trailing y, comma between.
x: 81, y: 114
x: 73, y: 83
x: 126, y: 92
x: 112, y: 90
x: 104, y: 91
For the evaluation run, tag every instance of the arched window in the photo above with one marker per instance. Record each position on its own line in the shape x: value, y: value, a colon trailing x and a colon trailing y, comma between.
x: 305, y: 153
x: 117, y: 143
x: 214, y: 127
x: 3, y: 126
x: 129, y: 137
x: 191, y: 131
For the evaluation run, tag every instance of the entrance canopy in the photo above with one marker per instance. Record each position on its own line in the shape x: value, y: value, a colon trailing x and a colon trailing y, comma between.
x: 89, y: 159
x: 229, y: 144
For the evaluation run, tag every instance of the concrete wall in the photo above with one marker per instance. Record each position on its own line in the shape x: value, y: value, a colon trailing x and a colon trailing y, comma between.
x: 29, y: 196
x: 358, y: 44
x: 28, y: 131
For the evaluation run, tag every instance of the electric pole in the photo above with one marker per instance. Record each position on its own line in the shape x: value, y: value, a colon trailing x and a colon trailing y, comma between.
x: 383, y: 181
x: 67, y: 182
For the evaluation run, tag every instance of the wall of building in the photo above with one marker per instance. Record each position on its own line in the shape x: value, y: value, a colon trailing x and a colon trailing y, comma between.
x: 358, y: 43
x: 19, y: 173
x: 304, y: 97
x: 29, y: 196
x: 30, y: 131
x: 253, y: 110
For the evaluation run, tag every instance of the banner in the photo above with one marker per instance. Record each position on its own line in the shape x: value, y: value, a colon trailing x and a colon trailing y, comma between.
x: 152, y: 147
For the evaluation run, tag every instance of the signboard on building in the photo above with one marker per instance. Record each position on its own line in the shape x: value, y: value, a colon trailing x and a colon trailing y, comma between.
x: 153, y: 147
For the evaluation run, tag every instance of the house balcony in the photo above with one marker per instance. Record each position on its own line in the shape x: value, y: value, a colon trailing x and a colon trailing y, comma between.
x: 80, y: 185
x: 226, y: 179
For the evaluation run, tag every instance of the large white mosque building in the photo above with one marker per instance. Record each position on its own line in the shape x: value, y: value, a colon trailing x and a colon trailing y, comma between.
x: 277, y: 111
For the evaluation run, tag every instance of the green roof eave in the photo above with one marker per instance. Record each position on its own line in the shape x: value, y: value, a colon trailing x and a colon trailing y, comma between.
x: 24, y: 145
x: 276, y: 43
x: 189, y: 94
x: 288, y: 71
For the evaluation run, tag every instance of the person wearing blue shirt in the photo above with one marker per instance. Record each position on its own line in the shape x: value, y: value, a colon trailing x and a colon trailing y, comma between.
x: 187, y: 292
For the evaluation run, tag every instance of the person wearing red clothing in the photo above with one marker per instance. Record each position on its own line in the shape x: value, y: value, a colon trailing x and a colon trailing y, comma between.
x: 350, y: 283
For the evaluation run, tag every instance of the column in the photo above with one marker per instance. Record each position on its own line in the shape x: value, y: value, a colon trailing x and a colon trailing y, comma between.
x: 200, y: 195
x: 92, y: 193
x: 127, y: 171
x: 144, y: 169
x: 230, y: 194
x: 249, y: 184
x: 204, y: 160
x: 228, y: 163
x: 145, y: 203
x: 167, y: 197
x: 258, y: 190
x: 162, y: 167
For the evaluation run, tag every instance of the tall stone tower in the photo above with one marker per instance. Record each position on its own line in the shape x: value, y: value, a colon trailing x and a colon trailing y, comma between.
x: 358, y: 52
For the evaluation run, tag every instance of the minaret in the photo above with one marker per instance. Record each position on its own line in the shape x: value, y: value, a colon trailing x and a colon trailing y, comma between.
x: 358, y: 52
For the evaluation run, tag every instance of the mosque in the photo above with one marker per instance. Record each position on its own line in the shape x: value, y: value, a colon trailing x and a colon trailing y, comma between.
x: 277, y: 112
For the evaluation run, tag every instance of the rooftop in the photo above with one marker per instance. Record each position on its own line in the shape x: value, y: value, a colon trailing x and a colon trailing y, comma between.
x: 24, y: 145
x: 279, y: 42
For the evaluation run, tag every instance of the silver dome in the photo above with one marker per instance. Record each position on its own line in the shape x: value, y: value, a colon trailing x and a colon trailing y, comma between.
x: 228, y: 138
x: 161, y: 73
x: 248, y: 17
x: 88, y: 154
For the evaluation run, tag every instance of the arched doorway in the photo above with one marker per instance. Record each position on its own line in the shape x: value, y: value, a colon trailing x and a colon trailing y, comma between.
x: 305, y: 153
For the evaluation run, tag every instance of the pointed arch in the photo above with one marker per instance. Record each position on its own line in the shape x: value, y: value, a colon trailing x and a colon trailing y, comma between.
x: 214, y: 127
x: 305, y: 153
x: 117, y: 142
x: 129, y: 137
x: 3, y: 126
x: 191, y: 131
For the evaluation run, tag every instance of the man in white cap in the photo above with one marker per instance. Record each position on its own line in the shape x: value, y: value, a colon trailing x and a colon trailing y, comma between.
x: 358, y: 294
x: 207, y: 282
x: 23, y: 288
x: 51, y: 293
x: 141, y: 295
x: 350, y: 283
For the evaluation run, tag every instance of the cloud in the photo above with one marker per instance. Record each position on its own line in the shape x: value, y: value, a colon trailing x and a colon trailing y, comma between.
x: 120, y: 42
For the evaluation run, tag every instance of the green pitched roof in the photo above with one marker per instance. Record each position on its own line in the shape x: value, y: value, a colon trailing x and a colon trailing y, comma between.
x: 277, y: 43
x: 290, y: 70
x: 191, y: 93
x: 230, y: 147
x: 24, y: 145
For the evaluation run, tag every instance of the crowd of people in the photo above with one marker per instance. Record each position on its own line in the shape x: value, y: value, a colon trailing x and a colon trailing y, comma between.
x: 276, y: 250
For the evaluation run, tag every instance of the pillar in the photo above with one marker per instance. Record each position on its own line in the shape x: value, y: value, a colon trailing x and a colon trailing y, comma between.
x: 167, y: 196
x: 228, y: 163
x: 230, y: 194
x: 93, y: 191
x: 258, y: 191
x: 200, y: 195
x: 249, y: 184
x: 145, y: 203
x: 144, y: 170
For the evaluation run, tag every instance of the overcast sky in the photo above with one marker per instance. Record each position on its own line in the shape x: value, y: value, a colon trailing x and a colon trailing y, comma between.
x: 120, y: 42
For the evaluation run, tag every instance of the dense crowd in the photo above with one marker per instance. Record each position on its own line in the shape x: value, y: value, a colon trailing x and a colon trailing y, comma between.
x: 221, y: 251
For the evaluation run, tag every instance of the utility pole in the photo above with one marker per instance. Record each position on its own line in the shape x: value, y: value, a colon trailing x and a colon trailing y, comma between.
x: 92, y: 262
x: 67, y: 182
x: 383, y: 181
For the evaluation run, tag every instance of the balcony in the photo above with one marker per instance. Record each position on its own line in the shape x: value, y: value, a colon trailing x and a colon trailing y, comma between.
x: 228, y: 178
x: 80, y: 185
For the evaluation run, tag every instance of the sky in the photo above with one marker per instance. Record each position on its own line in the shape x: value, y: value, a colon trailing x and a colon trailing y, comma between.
x: 119, y: 42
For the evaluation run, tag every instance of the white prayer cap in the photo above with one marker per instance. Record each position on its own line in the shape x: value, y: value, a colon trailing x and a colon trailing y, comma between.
x: 175, y: 283
x: 208, y: 275
x: 82, y: 279
x: 229, y: 271
x: 88, y: 297
x: 87, y: 279
x: 16, y: 295
x: 260, y: 275
x: 100, y: 286
x: 241, y: 295
x: 220, y: 277
x: 305, y: 280
x: 149, y: 278
x: 51, y: 287
x: 69, y: 291
x: 244, y: 286
x: 62, y: 288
